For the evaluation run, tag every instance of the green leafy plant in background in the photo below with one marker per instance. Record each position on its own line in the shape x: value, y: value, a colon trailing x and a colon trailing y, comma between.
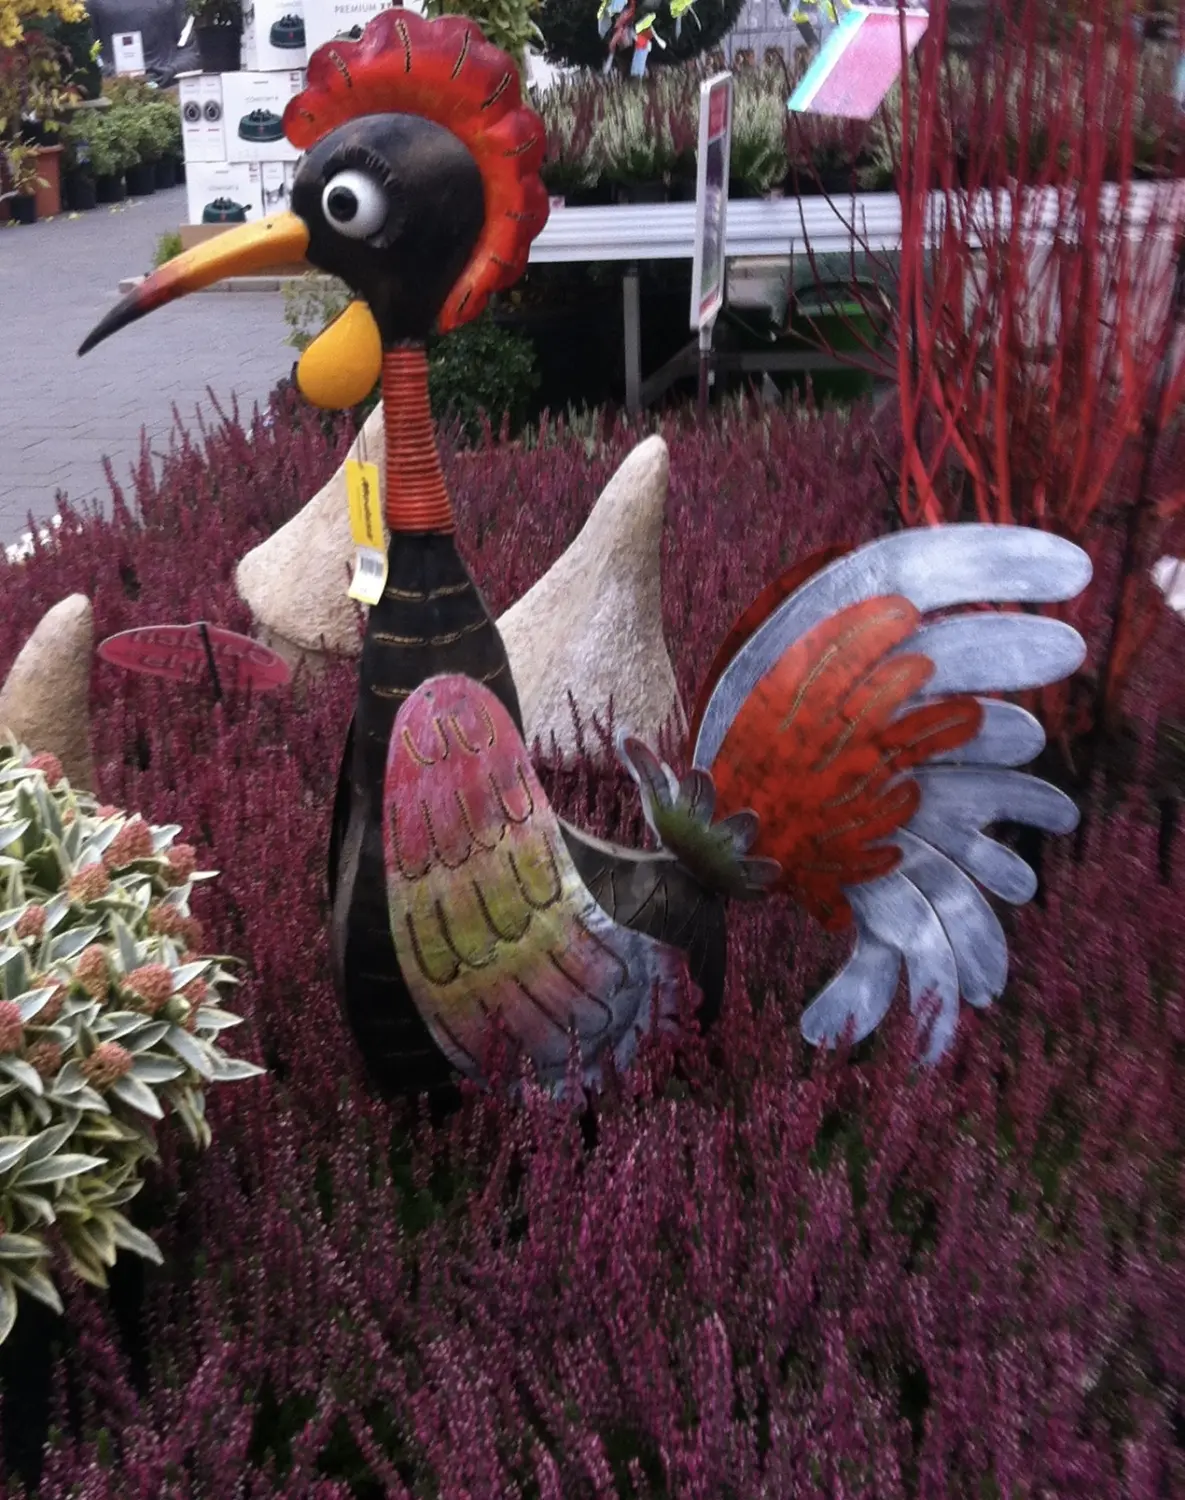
x: 106, y: 1019
x: 167, y: 247
x: 758, y: 157
x: 481, y: 373
x: 478, y: 372
x: 570, y: 115
x: 509, y: 24
x: 101, y: 140
x: 632, y: 139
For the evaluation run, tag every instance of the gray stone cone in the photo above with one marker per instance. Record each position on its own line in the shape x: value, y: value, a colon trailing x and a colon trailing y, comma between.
x: 45, y: 701
x: 295, y: 582
x: 592, y: 624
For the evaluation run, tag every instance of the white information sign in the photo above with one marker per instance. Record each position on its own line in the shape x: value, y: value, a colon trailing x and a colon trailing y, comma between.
x: 127, y: 48
x: 711, y: 200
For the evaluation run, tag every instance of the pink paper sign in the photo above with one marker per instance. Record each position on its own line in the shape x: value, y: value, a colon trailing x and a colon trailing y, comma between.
x: 194, y: 653
x: 859, y: 63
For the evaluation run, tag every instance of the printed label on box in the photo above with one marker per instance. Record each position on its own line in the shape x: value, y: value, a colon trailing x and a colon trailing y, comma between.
x: 224, y: 192
x: 326, y: 20
x: 253, y: 105
x: 273, y: 35
x: 202, y: 135
x: 277, y: 185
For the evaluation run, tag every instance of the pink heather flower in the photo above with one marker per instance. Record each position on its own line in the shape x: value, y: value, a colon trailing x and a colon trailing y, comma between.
x: 52, y: 1008
x: 132, y: 842
x: 152, y: 984
x: 91, y: 972
x: 89, y: 884
x: 182, y: 863
x: 107, y: 1064
x: 48, y: 763
x: 166, y: 920
x: 12, y: 1028
x: 32, y: 922
x: 106, y: 812
x: 46, y: 1057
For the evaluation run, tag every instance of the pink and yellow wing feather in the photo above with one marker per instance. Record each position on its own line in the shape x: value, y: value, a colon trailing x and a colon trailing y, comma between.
x: 491, y: 922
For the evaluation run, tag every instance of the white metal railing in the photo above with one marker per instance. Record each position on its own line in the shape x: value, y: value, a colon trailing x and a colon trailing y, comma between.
x: 787, y: 226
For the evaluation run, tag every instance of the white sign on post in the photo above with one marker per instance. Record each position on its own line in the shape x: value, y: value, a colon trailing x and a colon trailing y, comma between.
x: 711, y: 201
x: 128, y: 50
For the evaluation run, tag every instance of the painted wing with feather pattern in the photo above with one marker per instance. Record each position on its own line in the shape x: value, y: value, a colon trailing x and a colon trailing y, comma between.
x: 491, y: 922
x: 860, y: 738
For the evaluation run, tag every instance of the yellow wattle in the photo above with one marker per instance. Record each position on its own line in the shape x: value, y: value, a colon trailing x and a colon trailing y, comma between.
x: 340, y: 367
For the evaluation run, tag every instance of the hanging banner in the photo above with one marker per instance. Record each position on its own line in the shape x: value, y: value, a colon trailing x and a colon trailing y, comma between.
x: 858, y: 63
x: 711, y: 199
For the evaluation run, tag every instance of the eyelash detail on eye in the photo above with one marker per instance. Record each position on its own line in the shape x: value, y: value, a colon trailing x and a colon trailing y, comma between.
x: 361, y: 158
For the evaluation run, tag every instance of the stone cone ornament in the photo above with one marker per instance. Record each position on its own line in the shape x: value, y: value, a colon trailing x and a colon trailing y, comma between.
x: 592, y: 625
x: 295, y: 582
x: 45, y: 700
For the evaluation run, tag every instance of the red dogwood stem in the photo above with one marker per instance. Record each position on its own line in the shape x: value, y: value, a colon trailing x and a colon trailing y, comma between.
x: 416, y: 498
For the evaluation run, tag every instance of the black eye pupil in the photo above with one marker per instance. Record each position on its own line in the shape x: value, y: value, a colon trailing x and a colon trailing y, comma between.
x: 343, y: 204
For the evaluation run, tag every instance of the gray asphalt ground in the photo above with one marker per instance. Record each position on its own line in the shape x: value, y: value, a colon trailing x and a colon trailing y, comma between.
x: 61, y: 415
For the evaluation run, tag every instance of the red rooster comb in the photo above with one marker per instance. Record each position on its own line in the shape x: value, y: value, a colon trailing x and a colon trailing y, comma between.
x: 444, y: 71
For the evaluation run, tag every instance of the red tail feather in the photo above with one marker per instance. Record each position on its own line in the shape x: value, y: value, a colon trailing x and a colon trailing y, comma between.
x: 757, y: 614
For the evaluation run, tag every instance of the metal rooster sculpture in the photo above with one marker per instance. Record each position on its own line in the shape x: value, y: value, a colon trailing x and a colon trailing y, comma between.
x: 842, y: 755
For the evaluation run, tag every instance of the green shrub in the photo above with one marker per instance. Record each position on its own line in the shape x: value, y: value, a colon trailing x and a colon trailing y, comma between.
x: 479, y: 370
x: 99, y: 140
x: 167, y: 247
x: 509, y: 24
x: 482, y: 372
x: 105, y: 1016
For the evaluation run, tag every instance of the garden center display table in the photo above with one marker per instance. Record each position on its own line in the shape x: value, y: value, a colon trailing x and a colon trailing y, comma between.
x: 868, y: 224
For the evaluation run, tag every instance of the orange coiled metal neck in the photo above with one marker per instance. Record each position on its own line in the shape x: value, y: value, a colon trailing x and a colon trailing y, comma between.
x: 416, y: 497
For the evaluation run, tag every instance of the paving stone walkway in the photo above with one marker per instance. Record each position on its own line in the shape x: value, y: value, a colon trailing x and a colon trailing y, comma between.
x: 60, y: 415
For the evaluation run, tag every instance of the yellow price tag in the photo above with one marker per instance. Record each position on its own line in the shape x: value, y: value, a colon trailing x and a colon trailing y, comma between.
x: 366, y: 527
x: 644, y: 24
x: 366, y: 504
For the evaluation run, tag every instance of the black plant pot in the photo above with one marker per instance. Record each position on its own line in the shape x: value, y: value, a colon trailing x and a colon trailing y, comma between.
x: 80, y: 191
x: 164, y: 173
x: 641, y: 192
x: 110, y: 188
x: 141, y: 180
x: 23, y: 208
x: 179, y: 172
x: 683, y: 189
x: 600, y: 196
x: 219, y: 48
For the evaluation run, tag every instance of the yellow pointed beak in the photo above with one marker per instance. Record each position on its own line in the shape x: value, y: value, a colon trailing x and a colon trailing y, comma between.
x: 280, y: 240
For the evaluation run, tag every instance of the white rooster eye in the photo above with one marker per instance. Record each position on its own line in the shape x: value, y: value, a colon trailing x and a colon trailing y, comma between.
x: 354, y: 204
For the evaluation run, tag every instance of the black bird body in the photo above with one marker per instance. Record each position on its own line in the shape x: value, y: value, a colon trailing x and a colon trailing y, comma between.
x: 433, y: 620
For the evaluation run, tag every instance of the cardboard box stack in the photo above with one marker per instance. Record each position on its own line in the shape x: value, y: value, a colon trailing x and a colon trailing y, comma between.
x: 238, y: 163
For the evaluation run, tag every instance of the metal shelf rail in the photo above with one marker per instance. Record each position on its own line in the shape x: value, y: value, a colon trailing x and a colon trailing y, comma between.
x: 784, y: 228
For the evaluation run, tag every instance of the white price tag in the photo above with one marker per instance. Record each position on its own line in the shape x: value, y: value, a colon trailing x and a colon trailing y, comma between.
x: 370, y: 576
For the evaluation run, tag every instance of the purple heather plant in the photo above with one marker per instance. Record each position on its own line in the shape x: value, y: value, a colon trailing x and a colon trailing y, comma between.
x: 759, y: 1270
